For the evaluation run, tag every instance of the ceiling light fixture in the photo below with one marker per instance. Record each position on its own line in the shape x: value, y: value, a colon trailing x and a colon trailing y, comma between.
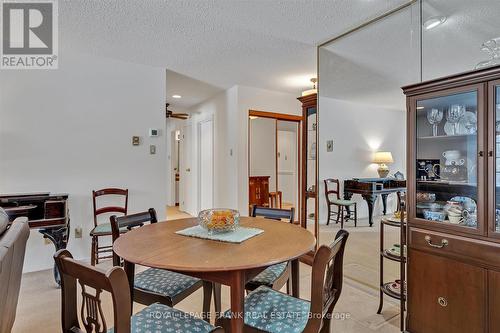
x: 434, y: 21
x: 176, y: 96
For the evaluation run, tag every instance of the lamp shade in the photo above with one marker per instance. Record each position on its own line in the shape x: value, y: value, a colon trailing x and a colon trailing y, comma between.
x: 382, y: 157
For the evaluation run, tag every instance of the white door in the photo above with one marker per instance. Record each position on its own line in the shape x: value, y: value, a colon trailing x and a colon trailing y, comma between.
x: 287, y: 166
x: 205, y: 165
x: 186, y: 192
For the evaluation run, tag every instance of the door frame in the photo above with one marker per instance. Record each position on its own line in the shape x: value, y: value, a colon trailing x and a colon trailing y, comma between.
x: 284, y: 117
x: 198, y: 153
x: 174, y: 151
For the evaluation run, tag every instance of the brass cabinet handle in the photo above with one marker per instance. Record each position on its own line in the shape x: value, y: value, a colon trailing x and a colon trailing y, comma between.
x: 442, y: 301
x: 444, y: 242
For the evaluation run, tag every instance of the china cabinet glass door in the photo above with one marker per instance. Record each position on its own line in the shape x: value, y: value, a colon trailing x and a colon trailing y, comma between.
x: 449, y: 158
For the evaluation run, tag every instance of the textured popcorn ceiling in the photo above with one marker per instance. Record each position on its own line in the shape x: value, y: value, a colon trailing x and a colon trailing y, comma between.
x: 261, y: 43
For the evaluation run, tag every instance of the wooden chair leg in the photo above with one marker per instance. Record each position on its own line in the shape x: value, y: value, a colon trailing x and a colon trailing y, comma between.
x: 217, y: 299
x: 96, y: 250
x: 341, y: 217
x: 338, y: 214
x: 93, y: 251
x: 207, y: 300
x: 355, y: 215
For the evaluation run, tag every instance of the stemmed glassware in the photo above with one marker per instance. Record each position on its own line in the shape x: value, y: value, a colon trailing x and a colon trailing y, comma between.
x: 434, y: 116
x: 454, y: 115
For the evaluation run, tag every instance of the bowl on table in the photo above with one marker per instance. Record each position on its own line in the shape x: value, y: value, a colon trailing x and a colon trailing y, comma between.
x: 219, y: 220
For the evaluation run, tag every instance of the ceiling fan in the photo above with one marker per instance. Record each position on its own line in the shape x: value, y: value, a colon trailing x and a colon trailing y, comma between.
x: 172, y: 114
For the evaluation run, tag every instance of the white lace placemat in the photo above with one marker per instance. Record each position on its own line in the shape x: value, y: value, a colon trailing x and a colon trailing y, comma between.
x: 240, y: 235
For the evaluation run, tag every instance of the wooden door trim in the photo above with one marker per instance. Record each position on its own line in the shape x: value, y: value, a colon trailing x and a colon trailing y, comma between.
x: 274, y: 115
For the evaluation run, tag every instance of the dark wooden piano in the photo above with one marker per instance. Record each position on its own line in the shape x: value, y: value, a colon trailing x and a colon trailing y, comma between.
x: 46, y: 212
x: 370, y: 189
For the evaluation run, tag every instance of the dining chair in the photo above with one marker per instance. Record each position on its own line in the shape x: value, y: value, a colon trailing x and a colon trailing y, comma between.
x: 93, y: 281
x: 158, y: 285
x: 275, y: 276
x: 271, y: 311
x: 103, y: 229
x: 341, y: 204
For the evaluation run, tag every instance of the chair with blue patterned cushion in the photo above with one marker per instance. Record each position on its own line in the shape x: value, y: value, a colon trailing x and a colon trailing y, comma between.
x: 278, y: 275
x: 333, y: 199
x: 93, y: 281
x: 268, y: 310
x: 158, y: 285
x: 103, y: 229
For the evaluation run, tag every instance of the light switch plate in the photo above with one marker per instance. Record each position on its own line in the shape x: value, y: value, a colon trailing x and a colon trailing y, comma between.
x: 152, y: 149
x: 154, y: 132
x: 78, y: 232
x: 136, y: 140
x: 329, y: 146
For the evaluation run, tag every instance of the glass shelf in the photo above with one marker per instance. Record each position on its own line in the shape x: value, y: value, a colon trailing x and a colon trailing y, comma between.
x: 456, y: 136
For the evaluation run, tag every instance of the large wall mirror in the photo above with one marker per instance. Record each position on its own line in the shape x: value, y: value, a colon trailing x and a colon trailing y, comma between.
x: 362, y: 112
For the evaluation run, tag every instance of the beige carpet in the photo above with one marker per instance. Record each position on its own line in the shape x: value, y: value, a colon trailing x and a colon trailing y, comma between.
x: 361, y: 262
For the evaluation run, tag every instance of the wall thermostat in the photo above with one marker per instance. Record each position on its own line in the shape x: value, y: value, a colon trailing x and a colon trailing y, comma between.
x: 154, y: 132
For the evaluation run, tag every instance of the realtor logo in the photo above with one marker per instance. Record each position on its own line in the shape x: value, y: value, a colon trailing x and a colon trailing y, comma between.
x: 29, y: 34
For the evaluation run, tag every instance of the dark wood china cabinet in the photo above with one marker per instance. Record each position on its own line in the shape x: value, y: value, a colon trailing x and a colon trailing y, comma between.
x: 454, y: 203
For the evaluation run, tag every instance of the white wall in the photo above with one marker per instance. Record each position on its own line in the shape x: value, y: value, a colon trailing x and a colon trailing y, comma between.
x: 358, y: 130
x: 69, y: 130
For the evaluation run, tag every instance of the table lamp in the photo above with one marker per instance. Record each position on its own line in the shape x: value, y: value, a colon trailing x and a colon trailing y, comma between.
x: 382, y: 158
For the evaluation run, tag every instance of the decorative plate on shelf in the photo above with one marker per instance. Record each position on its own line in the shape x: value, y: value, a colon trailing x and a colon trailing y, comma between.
x: 395, y: 287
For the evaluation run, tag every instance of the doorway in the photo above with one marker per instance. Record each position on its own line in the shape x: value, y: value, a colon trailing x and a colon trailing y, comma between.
x: 175, y: 159
x: 273, y: 157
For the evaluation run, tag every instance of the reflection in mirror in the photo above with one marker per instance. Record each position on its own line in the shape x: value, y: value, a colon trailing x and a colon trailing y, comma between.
x: 363, y: 111
x: 463, y: 41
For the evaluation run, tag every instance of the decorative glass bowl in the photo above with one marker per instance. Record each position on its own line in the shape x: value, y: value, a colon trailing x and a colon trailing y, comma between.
x: 219, y: 220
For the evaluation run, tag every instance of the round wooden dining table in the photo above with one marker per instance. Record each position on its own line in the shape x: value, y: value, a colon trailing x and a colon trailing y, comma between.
x: 158, y: 246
